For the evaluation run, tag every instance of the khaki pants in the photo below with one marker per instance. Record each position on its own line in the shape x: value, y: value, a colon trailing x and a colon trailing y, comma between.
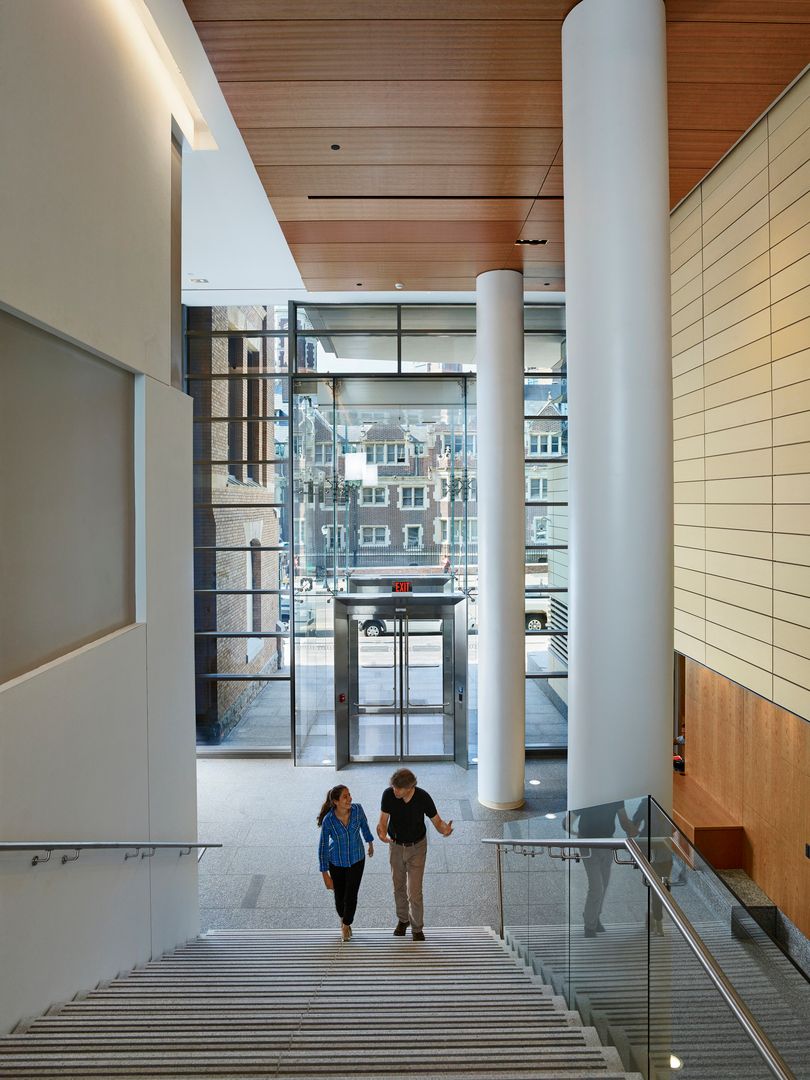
x: 407, y: 871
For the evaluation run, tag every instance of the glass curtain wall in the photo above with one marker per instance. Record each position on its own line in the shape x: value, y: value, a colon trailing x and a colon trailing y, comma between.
x: 545, y: 433
x: 236, y: 373
x: 357, y: 459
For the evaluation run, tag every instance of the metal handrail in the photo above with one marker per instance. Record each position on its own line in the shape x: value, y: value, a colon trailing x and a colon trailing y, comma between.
x: 573, y: 851
x: 145, y: 848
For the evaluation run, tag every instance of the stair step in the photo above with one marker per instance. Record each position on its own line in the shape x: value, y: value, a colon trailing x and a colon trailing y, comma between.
x: 263, y: 1003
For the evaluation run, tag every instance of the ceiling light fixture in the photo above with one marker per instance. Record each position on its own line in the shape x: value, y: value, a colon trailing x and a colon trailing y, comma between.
x: 535, y: 783
x: 335, y: 146
x: 199, y: 280
x: 398, y: 285
x: 551, y: 817
x: 533, y: 243
x: 359, y: 284
x: 675, y: 1063
x: 546, y: 282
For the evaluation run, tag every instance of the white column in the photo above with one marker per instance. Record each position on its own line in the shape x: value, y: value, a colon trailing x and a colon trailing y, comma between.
x: 620, y: 400
x: 501, y: 557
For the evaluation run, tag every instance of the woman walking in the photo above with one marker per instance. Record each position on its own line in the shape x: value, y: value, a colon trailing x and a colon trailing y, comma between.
x: 340, y: 853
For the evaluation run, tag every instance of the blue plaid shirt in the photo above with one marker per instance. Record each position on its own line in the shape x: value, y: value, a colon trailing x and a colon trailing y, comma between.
x: 342, y: 845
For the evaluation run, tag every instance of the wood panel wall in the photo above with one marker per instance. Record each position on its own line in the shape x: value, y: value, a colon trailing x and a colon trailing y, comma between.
x: 754, y: 758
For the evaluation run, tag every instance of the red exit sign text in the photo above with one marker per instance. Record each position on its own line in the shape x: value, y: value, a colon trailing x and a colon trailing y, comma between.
x: 402, y: 586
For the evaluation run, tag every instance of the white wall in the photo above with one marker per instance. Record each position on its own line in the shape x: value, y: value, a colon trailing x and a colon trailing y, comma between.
x: 84, y: 201
x: 98, y: 744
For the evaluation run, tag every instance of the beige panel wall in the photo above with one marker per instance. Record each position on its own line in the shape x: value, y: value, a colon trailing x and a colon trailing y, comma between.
x: 741, y: 386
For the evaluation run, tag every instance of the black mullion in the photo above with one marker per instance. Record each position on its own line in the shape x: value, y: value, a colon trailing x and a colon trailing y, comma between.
x: 203, y: 334
x: 268, y: 376
x: 399, y: 339
x: 256, y: 547
x: 292, y: 368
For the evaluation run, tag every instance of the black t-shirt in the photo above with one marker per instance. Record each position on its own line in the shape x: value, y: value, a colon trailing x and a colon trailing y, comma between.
x: 406, y: 822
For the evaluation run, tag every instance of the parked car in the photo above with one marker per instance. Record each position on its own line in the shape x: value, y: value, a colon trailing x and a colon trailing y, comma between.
x: 376, y: 627
x: 304, y: 613
x: 537, y: 612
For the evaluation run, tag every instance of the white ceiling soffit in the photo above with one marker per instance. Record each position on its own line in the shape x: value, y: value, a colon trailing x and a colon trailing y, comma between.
x: 231, y: 236
x: 230, y: 233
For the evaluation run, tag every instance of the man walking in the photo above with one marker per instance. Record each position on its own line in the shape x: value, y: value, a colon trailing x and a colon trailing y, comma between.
x: 404, y: 807
x: 598, y: 821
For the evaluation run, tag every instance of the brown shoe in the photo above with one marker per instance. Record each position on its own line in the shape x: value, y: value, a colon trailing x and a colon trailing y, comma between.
x: 400, y: 928
x: 418, y: 935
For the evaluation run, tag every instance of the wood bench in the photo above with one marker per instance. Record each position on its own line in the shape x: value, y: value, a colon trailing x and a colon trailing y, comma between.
x: 713, y: 831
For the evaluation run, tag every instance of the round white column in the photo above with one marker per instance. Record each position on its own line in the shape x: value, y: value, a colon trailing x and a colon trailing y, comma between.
x: 620, y: 400
x: 501, y: 556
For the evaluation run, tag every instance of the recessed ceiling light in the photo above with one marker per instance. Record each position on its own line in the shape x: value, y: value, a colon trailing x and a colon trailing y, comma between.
x: 359, y: 284
x: 546, y: 282
x: 326, y: 761
x: 200, y: 280
x: 534, y: 243
x: 335, y: 146
x: 535, y: 783
x: 398, y: 285
x: 551, y: 817
x: 675, y: 1063
x: 474, y: 760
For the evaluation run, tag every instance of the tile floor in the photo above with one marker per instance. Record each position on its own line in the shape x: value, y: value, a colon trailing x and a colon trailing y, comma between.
x: 266, y: 875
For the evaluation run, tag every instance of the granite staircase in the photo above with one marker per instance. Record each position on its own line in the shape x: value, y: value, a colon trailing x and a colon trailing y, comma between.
x: 303, y: 1004
x: 649, y: 998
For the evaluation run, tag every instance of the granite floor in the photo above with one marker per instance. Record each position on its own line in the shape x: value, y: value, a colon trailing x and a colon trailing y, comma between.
x: 266, y: 874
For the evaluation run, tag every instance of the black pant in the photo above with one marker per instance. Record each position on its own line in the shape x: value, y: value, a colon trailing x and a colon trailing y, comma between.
x: 346, y: 881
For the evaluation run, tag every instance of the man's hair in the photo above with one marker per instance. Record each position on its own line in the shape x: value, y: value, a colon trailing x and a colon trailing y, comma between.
x: 403, y: 778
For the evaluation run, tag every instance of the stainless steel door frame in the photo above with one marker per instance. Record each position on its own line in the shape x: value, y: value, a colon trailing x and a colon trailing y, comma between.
x: 451, y: 609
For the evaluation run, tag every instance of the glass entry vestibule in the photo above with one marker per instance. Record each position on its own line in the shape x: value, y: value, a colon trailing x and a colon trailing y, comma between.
x: 337, y: 442
x: 400, y: 672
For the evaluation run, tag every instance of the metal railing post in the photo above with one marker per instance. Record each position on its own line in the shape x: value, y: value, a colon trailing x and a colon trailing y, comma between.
x: 500, y: 890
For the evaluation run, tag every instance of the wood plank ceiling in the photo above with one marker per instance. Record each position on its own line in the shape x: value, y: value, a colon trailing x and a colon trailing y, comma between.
x: 414, y: 141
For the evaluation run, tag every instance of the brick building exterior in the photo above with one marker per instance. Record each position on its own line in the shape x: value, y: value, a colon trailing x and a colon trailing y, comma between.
x: 240, y: 454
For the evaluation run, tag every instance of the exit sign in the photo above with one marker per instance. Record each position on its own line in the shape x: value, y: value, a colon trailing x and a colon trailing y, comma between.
x: 402, y: 586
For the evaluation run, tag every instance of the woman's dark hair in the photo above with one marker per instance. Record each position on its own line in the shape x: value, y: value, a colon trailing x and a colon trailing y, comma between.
x: 332, y: 796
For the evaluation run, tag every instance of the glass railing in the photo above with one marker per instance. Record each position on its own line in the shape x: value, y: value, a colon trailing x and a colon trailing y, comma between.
x: 650, y: 946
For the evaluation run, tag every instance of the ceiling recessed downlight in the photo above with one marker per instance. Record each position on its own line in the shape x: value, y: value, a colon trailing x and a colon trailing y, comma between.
x: 551, y: 817
x: 535, y: 783
x: 199, y: 280
x: 398, y: 285
x: 675, y: 1063
x: 335, y: 146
